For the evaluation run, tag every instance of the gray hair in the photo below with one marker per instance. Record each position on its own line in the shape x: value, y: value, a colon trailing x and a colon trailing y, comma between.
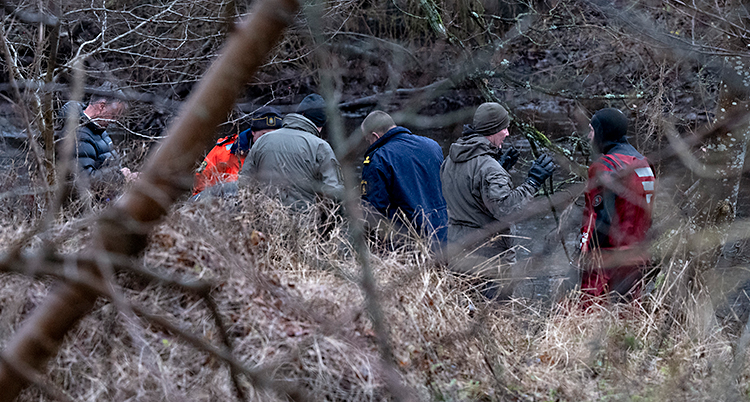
x: 108, y: 93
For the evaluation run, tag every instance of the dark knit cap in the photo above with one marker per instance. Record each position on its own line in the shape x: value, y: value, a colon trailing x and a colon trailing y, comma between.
x: 490, y: 118
x: 265, y: 118
x: 610, y: 126
x: 314, y: 108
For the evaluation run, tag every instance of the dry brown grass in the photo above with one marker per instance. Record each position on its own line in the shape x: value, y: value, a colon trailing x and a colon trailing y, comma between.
x: 289, y: 295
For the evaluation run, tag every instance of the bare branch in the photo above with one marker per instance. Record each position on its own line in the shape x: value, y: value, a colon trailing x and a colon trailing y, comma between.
x: 31, y: 18
x: 125, y: 226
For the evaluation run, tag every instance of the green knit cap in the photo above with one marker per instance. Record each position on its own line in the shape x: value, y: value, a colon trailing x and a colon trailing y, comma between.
x: 490, y: 118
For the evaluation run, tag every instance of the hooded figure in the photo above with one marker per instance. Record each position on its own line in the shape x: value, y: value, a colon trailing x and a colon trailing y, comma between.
x: 295, y: 160
x: 617, y: 214
x: 479, y: 194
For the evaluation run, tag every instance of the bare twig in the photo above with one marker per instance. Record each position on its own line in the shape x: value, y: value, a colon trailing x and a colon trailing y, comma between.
x: 33, y: 144
x: 29, y: 17
x: 353, y: 210
x: 211, y: 304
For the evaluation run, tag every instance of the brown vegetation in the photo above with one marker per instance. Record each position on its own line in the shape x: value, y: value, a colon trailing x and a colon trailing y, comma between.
x: 244, y: 299
x: 293, y: 307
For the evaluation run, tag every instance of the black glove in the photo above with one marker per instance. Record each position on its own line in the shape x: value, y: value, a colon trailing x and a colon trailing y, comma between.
x: 509, y: 158
x: 541, y: 170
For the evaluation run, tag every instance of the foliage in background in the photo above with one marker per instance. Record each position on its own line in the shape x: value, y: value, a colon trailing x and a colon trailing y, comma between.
x: 292, y: 296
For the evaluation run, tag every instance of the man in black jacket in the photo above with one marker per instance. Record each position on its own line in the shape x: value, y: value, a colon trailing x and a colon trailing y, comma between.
x: 94, y: 146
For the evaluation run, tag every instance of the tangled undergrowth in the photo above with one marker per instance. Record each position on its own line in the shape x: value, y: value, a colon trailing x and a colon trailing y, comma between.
x: 287, y: 288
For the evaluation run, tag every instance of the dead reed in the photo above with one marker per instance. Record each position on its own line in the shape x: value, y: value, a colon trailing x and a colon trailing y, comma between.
x: 286, y: 286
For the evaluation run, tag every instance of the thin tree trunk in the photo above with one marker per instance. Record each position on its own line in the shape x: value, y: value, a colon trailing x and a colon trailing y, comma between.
x: 124, y: 227
x: 710, y: 203
x: 712, y: 198
x: 48, y: 129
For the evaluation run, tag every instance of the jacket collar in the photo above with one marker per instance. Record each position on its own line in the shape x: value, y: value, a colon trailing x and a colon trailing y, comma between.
x: 385, y: 138
x: 88, y: 123
x: 470, y: 146
x: 605, y: 146
x: 299, y: 122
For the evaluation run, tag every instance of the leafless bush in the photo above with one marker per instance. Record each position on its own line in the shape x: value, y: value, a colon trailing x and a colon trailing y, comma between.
x: 293, y: 306
x: 288, y: 287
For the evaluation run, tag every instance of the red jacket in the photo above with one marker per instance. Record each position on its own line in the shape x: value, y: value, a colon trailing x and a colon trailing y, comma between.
x: 219, y: 166
x: 619, y: 200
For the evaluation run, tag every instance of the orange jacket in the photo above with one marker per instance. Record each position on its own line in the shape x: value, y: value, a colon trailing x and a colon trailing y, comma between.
x: 219, y: 166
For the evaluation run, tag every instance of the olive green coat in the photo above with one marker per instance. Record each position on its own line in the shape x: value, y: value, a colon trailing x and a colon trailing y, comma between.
x: 294, y: 160
x: 479, y: 194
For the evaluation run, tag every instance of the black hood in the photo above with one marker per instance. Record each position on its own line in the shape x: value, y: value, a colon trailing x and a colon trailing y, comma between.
x: 610, y: 128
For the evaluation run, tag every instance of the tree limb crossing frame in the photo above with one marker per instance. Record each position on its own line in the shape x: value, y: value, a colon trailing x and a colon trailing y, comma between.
x: 123, y: 228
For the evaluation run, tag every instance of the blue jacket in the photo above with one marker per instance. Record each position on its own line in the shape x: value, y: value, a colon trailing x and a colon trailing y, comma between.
x: 402, y: 172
